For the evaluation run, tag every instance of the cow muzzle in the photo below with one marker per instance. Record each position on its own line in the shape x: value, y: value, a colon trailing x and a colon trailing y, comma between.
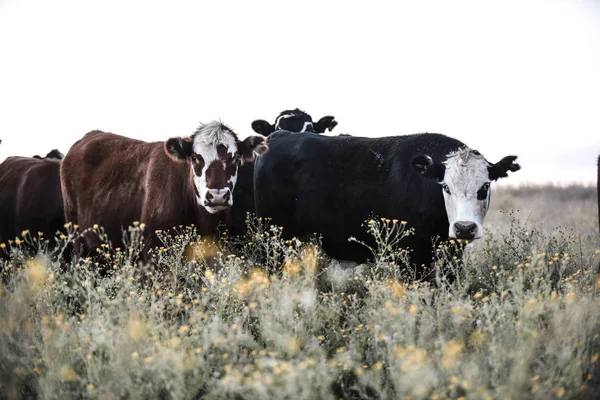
x: 218, y: 200
x: 465, y: 230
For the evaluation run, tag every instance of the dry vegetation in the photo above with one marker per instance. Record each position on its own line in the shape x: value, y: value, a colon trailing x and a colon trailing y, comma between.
x: 279, y: 320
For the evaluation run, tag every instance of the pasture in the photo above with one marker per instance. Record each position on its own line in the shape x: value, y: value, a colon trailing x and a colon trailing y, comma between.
x: 278, y: 319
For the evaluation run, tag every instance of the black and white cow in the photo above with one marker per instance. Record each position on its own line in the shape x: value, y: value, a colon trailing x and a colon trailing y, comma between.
x: 330, y: 185
x: 294, y: 121
x: 290, y: 120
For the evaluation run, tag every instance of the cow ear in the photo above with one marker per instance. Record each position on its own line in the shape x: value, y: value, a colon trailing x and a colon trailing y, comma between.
x: 428, y: 168
x: 501, y: 168
x: 179, y: 148
x: 251, y: 146
x: 326, y: 123
x: 263, y: 127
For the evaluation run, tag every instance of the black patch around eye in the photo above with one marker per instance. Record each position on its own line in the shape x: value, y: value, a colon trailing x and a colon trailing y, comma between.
x: 446, y: 189
x: 483, y: 192
x: 476, y: 152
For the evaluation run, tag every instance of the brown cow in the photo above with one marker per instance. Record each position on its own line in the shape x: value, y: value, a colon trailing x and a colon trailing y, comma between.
x: 112, y: 181
x: 30, y: 197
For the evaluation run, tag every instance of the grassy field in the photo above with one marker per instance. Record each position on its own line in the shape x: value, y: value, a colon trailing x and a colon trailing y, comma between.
x: 521, y: 319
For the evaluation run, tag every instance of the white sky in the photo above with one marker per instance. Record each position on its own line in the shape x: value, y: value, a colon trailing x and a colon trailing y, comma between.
x: 506, y: 77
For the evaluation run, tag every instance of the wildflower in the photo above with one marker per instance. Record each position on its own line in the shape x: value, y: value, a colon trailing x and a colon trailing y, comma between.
x: 95, y: 226
x: 309, y: 257
x: 477, y: 295
x: 90, y: 386
x: 413, y: 309
x: 36, y: 272
x: 291, y: 267
x: 148, y: 360
x: 136, y: 328
x: 66, y: 374
x: 560, y: 392
x: 183, y: 330
x: 135, y: 355
x: 397, y: 289
x: 595, y: 358
x: 477, y: 337
x: 451, y: 352
x: 198, y: 350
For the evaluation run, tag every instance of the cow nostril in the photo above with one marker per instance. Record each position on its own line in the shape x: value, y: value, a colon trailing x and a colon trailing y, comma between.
x: 209, y: 196
x: 227, y: 196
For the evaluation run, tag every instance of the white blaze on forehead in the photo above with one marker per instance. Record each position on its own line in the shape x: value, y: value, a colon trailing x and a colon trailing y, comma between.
x: 280, y: 118
x: 465, y: 174
x: 209, y: 136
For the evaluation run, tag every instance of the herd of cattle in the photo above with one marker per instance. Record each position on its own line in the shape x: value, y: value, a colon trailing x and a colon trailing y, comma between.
x: 305, y: 182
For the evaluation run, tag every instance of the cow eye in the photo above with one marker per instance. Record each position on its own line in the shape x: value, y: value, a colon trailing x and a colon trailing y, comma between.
x: 194, y: 159
x: 483, y: 192
x: 445, y: 187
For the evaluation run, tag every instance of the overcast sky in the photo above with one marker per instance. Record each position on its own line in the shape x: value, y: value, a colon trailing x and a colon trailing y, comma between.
x: 505, y: 77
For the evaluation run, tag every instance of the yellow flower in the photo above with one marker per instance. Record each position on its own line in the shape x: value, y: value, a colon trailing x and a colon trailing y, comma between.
x: 451, y: 353
x: 397, y: 289
x: 136, y: 328
x: 413, y: 309
x: 66, y: 374
x: 310, y: 258
x: 595, y: 358
x: 560, y: 392
x: 90, y: 386
x: 36, y: 272
x: 477, y: 337
x: 183, y: 330
x: 148, y: 360
x: 291, y: 267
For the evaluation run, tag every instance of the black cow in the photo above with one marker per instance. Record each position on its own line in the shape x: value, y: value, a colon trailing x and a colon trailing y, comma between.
x: 294, y: 121
x: 330, y: 185
x: 30, y: 196
x: 54, y: 154
x: 290, y: 120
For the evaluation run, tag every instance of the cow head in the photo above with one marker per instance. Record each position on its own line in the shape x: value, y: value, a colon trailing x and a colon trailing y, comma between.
x: 294, y: 121
x: 214, y: 154
x: 465, y: 179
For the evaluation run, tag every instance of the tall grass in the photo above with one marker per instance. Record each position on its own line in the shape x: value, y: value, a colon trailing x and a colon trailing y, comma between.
x: 277, y: 319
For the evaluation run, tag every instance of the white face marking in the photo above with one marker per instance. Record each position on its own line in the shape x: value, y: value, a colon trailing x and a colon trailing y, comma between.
x: 205, y: 145
x: 281, y: 117
x: 307, y: 125
x: 466, y: 173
